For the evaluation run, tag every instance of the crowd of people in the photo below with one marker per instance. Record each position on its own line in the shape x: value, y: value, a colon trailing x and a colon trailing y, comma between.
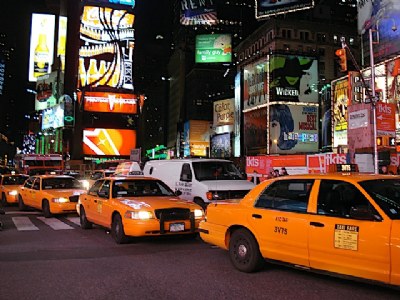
x: 274, y: 173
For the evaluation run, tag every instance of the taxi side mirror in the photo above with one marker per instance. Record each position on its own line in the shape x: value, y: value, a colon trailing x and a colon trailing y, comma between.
x: 362, y: 212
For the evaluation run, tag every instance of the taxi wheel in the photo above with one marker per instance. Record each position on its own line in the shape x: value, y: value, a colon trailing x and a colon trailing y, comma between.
x: 85, y: 224
x: 46, y: 209
x: 117, y: 230
x: 3, y: 200
x: 244, y: 251
x: 21, y: 205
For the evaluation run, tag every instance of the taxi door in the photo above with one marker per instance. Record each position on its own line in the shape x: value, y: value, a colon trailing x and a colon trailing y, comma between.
x: 103, y: 205
x: 89, y: 201
x: 281, y: 222
x: 341, y: 243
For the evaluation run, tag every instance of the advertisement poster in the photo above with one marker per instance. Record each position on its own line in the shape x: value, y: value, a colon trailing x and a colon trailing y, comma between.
x: 47, y: 90
x: 110, y: 102
x: 360, y: 131
x: 2, y: 73
x: 224, y: 112
x: 199, y: 137
x: 198, y: 12
x: 293, y: 128
x: 130, y: 3
x: 255, y: 131
x: 340, y: 90
x: 293, y: 78
x: 41, y: 45
x: 100, y: 141
x: 319, y: 163
x: 255, y: 84
x: 267, y: 8
x: 221, y: 146
x: 53, y: 117
x: 106, y: 48
x: 213, y: 48
x: 393, y: 80
x: 62, y: 40
x: 382, y: 16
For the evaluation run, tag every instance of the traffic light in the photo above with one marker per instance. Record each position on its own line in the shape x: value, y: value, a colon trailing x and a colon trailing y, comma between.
x: 379, y: 141
x: 341, y: 53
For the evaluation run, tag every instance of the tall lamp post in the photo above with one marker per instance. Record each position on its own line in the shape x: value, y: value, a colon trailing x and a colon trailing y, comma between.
x: 373, y: 100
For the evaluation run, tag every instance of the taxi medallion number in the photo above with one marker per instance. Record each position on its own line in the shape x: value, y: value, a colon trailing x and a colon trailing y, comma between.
x: 175, y: 227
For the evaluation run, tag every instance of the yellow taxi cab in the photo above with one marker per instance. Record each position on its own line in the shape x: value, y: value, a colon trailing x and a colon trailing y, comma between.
x: 97, y: 174
x: 137, y: 206
x: 9, y: 187
x: 53, y: 194
x: 344, y: 224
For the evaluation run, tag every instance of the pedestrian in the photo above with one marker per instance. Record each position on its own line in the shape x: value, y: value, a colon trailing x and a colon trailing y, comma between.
x: 283, y: 172
x: 384, y: 170
x: 255, y: 178
x: 276, y: 173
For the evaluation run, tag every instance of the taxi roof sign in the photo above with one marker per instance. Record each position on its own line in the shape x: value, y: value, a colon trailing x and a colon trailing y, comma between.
x: 348, y: 168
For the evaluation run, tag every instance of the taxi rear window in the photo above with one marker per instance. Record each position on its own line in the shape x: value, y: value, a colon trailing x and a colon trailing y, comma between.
x: 386, y: 193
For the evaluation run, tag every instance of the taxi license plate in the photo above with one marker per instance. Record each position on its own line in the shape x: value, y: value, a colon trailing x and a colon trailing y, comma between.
x: 177, y: 227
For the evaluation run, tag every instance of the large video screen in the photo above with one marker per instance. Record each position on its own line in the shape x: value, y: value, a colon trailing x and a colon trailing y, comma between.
x: 101, y: 141
x: 106, y: 49
x: 110, y: 102
x: 53, y: 117
x: 41, y: 45
x: 267, y: 8
x: 213, y: 48
x: 198, y: 12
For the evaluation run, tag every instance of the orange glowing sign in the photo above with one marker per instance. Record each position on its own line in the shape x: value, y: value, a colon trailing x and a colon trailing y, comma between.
x: 100, y: 141
x: 110, y: 102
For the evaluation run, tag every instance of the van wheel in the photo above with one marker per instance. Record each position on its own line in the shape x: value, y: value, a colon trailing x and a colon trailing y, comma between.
x: 46, y: 209
x: 244, y: 251
x: 21, y: 205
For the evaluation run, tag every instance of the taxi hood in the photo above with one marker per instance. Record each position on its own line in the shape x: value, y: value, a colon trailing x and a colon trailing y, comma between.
x: 228, y: 185
x: 154, y: 202
x: 66, y: 193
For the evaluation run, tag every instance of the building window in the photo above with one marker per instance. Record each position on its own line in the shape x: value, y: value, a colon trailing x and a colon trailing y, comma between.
x: 287, y: 33
x: 304, y: 35
x: 335, y: 39
x: 321, y: 37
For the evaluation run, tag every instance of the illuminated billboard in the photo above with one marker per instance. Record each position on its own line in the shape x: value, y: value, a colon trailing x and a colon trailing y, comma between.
x: 106, y: 49
x: 255, y: 131
x: 110, y: 102
x: 62, y: 40
x: 41, y: 45
x: 255, y: 87
x: 293, y: 78
x: 196, y: 137
x: 340, y: 90
x: 213, y: 48
x: 130, y: 3
x: 100, y: 141
x: 267, y: 8
x: 46, y: 90
x: 2, y: 73
x: 221, y: 145
x: 198, y: 12
x: 224, y: 112
x: 293, y: 128
x: 53, y: 117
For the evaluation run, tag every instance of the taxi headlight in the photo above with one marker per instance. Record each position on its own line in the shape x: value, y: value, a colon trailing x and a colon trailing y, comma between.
x: 60, y: 200
x: 139, y: 215
x: 13, y: 193
x: 198, y: 213
x: 85, y: 184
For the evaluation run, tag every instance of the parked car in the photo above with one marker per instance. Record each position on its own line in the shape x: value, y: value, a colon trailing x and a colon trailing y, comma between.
x: 137, y: 206
x: 335, y: 223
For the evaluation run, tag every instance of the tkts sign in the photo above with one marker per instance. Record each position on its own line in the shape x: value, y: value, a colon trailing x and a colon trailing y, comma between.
x: 110, y: 102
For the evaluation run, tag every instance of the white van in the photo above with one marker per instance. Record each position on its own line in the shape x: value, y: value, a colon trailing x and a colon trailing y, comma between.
x: 200, y: 180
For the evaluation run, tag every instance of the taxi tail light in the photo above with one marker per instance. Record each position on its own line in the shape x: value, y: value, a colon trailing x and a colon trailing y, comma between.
x: 13, y: 193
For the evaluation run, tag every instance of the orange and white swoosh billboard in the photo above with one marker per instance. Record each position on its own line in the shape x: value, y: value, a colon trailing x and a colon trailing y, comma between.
x: 100, y: 141
x: 110, y: 102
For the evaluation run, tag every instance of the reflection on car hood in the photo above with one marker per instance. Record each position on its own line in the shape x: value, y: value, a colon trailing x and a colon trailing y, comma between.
x: 154, y: 202
x: 65, y: 192
x: 226, y: 185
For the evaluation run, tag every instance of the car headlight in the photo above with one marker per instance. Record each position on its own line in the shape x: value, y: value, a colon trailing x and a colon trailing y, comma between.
x: 85, y: 184
x: 198, y: 213
x: 139, y: 215
x: 60, y: 200
x: 13, y: 193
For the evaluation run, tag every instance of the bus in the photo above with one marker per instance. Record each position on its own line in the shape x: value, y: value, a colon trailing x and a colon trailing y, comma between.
x: 37, y: 164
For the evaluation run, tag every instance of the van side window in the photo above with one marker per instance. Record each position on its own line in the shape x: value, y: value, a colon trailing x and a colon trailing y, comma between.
x: 186, y: 173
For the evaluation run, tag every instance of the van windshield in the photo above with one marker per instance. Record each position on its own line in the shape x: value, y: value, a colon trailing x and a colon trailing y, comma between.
x: 216, y: 170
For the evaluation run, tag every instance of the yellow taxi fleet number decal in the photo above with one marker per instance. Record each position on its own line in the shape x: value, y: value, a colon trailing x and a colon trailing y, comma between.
x: 99, y: 206
x: 346, y: 237
x: 278, y: 229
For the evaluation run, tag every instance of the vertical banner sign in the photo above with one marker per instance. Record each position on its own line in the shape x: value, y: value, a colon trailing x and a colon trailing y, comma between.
x: 62, y: 40
x: 238, y: 114
x: 106, y: 51
x: 340, y: 103
x: 41, y: 45
x: 255, y: 84
x: 2, y: 73
x: 198, y: 12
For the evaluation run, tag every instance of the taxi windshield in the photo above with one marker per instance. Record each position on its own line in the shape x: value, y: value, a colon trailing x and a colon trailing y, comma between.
x: 134, y: 188
x: 14, y: 180
x: 386, y: 193
x: 61, y: 183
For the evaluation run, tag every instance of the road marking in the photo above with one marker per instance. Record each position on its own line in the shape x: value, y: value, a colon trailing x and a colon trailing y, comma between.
x: 54, y: 223
x: 23, y: 213
x: 74, y: 220
x: 24, y: 224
